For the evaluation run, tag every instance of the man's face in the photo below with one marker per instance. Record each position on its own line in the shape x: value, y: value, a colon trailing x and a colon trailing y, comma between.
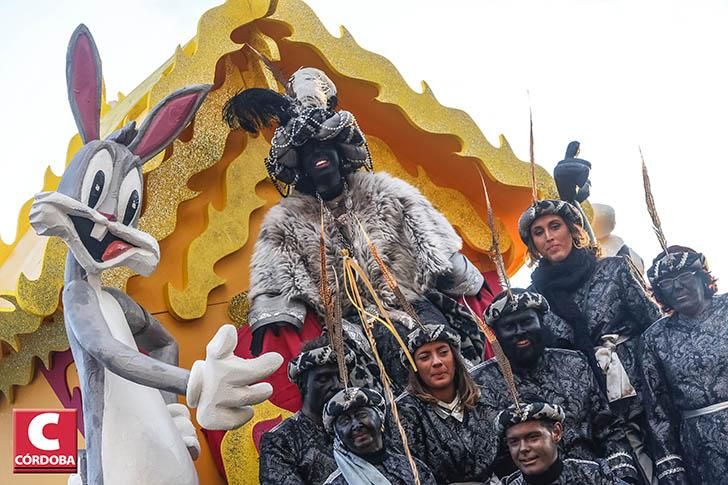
x: 320, y: 160
x: 533, y: 445
x: 552, y: 238
x: 435, y: 363
x: 521, y: 336
x: 684, y: 291
x: 321, y: 385
x: 360, y: 430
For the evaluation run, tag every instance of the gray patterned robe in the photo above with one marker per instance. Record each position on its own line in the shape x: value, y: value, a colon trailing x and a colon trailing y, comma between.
x: 685, y: 367
x: 615, y: 300
x: 395, y: 468
x: 455, y: 451
x: 576, y: 472
x: 296, y: 452
x: 564, y: 377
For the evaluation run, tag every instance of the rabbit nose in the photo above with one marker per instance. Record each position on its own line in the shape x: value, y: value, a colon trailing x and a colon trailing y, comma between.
x: 110, y: 217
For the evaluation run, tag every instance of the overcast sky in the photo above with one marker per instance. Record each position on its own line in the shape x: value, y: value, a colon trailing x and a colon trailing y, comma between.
x: 612, y: 74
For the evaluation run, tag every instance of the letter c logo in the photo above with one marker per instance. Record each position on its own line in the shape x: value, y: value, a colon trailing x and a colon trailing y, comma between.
x: 35, y: 432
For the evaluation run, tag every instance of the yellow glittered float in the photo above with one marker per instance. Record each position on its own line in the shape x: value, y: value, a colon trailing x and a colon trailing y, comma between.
x: 206, y: 196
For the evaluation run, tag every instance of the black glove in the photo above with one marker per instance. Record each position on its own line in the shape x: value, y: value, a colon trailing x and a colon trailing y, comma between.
x: 572, y: 175
x: 256, y: 344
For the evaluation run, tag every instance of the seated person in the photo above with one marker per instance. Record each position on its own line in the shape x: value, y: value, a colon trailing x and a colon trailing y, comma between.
x: 532, y: 434
x: 299, y: 450
x: 355, y: 417
x: 561, y: 376
x: 320, y: 161
x: 447, y: 421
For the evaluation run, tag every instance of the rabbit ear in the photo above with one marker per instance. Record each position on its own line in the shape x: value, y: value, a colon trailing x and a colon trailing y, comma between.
x: 83, y: 79
x: 167, y: 119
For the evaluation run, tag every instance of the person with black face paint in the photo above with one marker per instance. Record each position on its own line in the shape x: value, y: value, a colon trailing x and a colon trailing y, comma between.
x: 532, y: 433
x: 298, y: 451
x: 356, y: 419
x: 320, y: 162
x: 560, y: 376
x: 685, y: 369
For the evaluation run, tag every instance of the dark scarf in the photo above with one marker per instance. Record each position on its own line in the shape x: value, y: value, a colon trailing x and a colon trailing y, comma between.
x: 548, y: 477
x: 559, y: 283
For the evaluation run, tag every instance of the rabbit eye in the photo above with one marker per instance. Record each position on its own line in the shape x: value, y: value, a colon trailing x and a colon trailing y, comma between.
x: 97, y: 188
x: 130, y: 197
x: 131, y: 207
x: 96, y: 181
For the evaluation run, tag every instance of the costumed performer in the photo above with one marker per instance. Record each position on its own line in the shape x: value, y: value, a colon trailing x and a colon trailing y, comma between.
x: 316, y: 160
x: 532, y: 434
x: 560, y: 376
x: 299, y: 450
x: 602, y: 304
x: 685, y: 364
x: 685, y: 369
x: 446, y: 417
x: 356, y: 419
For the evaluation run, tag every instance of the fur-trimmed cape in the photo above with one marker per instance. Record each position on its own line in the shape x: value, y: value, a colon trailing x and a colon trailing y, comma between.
x: 415, y: 241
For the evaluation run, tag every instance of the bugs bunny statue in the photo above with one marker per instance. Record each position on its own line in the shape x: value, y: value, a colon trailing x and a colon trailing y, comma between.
x: 135, y: 430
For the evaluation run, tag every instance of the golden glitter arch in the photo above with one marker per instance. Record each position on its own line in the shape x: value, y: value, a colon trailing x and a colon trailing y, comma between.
x: 206, y: 196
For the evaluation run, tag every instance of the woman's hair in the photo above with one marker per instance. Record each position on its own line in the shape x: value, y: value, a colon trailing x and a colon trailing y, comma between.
x: 466, y: 387
x: 579, y: 237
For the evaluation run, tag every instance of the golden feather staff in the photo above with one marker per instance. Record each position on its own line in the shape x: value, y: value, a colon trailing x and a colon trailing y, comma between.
x: 351, y: 271
x: 389, y: 277
x: 330, y: 301
x: 651, y: 208
x: 532, y: 156
x: 500, y: 357
x: 337, y: 337
x: 500, y: 266
x: 503, y: 362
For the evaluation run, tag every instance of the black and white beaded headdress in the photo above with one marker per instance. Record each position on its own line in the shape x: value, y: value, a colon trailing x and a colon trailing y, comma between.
x: 305, y: 112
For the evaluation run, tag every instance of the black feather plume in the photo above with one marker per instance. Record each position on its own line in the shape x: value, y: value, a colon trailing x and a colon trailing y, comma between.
x: 254, y: 108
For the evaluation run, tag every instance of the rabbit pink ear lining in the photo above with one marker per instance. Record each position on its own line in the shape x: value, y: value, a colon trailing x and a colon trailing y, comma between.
x: 85, y: 88
x: 165, y: 125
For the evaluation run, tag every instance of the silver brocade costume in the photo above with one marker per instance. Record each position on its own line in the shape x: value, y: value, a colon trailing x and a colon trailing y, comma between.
x: 575, y: 472
x: 296, y: 452
x: 455, y: 451
x: 564, y: 377
x: 685, y: 368
x: 615, y: 301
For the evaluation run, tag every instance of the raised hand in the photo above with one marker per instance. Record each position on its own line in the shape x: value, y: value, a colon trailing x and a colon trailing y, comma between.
x: 223, y: 387
x: 572, y: 175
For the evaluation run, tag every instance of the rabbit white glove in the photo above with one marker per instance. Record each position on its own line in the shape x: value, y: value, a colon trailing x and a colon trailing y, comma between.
x: 181, y: 418
x: 222, y: 386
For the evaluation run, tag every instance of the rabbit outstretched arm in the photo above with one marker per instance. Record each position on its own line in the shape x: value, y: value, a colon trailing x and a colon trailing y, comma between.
x: 85, y: 319
x: 149, y: 334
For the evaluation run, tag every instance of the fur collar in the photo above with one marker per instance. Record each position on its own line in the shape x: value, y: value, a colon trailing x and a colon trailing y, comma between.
x: 413, y: 238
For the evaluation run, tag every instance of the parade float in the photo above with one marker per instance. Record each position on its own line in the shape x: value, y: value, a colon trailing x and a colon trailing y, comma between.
x: 206, y: 195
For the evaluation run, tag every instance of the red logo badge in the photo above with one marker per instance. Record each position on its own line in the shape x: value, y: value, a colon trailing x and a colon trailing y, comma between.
x: 44, y: 441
